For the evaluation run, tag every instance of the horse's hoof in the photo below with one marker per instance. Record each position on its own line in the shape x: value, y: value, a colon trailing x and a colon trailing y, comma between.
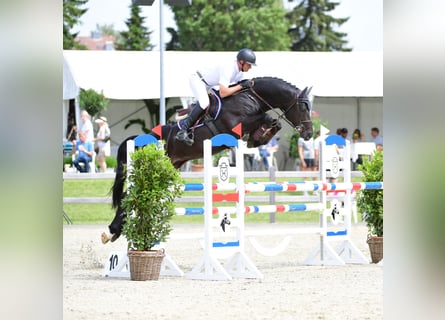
x: 114, y: 237
x: 104, y: 237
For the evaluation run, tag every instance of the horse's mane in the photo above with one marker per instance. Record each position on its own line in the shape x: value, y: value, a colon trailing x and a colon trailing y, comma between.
x: 276, y: 79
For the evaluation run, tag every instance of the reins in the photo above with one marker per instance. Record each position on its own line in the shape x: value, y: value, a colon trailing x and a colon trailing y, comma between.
x: 299, y: 128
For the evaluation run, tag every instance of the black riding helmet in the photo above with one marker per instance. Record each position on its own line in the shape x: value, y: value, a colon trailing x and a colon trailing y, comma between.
x: 246, y: 55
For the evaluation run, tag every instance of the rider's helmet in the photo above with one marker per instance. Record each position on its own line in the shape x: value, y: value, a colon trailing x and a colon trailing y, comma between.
x: 246, y: 55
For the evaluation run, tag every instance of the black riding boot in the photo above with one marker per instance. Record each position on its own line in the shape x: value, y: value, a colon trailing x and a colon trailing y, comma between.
x: 182, y: 135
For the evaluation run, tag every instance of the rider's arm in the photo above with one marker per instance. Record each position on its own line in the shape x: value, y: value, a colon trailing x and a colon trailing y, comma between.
x: 228, y: 91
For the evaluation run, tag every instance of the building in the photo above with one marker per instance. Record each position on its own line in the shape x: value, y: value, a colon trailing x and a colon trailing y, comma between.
x: 97, y: 41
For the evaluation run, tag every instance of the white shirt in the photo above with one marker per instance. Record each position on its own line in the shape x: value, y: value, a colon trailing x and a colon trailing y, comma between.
x: 87, y: 127
x: 222, y: 73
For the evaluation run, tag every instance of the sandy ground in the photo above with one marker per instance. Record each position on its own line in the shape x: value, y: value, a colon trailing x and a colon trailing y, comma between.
x: 289, y: 289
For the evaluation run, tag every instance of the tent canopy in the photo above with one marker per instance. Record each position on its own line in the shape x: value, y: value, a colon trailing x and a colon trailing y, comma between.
x: 134, y: 75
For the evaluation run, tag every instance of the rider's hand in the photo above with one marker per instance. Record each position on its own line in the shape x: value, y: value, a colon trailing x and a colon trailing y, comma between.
x: 244, y: 83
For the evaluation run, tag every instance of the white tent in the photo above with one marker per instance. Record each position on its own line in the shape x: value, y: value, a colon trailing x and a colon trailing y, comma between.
x: 134, y: 75
x: 347, y: 86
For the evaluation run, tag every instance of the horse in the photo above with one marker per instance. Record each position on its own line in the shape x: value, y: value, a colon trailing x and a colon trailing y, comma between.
x: 248, y: 107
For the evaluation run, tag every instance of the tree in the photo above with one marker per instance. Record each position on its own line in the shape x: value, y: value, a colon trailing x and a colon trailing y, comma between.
x: 72, y: 11
x: 137, y: 38
x: 231, y: 25
x: 313, y: 29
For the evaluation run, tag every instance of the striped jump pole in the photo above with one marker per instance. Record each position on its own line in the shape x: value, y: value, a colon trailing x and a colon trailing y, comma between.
x: 296, y: 186
x: 252, y: 209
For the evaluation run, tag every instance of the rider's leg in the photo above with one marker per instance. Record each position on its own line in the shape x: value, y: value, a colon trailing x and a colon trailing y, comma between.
x: 193, y: 116
x: 199, y: 90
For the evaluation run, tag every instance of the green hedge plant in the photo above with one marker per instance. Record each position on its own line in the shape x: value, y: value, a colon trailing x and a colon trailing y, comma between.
x: 370, y: 202
x: 154, y: 184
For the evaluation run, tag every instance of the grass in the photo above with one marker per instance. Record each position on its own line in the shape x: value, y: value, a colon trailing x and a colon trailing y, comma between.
x: 103, y: 213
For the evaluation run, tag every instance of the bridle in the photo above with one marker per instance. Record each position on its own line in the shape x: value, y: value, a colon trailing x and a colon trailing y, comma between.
x: 300, y: 127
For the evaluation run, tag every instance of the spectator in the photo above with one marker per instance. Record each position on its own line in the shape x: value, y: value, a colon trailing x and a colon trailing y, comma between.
x: 103, y: 142
x: 376, y: 138
x: 87, y: 125
x: 306, y: 152
x: 86, y: 151
x: 357, y: 136
x: 344, y: 134
x: 317, y: 141
x: 267, y: 151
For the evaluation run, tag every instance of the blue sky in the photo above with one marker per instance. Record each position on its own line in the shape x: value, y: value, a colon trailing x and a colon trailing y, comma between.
x: 364, y: 28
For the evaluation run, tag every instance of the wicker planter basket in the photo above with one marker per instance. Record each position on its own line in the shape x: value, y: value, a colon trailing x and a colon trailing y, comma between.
x: 145, y: 265
x: 376, y: 248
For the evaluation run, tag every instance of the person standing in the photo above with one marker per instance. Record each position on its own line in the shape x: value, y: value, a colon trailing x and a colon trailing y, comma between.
x: 87, y: 125
x: 357, y: 136
x: 221, y: 75
x: 317, y: 141
x: 103, y: 142
x: 266, y: 152
x: 306, y: 152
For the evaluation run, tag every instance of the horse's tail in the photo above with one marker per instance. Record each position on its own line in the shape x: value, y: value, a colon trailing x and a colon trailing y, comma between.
x: 119, y: 180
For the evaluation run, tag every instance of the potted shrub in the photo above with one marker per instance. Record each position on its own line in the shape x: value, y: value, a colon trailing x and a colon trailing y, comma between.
x: 370, y: 204
x: 153, y: 186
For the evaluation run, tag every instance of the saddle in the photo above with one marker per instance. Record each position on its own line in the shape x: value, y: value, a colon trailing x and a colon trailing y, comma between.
x: 212, y: 111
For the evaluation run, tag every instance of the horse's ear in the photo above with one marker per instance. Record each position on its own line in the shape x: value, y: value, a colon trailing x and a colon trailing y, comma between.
x: 309, y: 91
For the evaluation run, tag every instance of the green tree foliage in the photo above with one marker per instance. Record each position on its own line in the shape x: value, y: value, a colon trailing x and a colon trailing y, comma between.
x: 137, y: 38
x: 72, y: 12
x: 312, y: 29
x: 230, y: 25
x: 92, y: 101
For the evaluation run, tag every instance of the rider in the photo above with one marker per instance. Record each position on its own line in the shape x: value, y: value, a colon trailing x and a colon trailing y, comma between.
x: 222, y: 75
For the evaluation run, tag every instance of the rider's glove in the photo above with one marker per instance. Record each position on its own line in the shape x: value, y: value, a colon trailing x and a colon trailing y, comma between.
x: 244, y: 83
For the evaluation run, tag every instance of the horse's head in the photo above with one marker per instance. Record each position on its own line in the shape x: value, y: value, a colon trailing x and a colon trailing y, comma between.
x: 294, y: 103
x: 299, y: 114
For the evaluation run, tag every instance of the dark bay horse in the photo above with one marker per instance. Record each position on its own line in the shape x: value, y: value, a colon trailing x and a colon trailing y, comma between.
x: 249, y: 107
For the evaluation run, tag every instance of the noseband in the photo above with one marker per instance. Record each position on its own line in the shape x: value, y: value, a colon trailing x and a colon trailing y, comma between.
x: 300, y: 127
